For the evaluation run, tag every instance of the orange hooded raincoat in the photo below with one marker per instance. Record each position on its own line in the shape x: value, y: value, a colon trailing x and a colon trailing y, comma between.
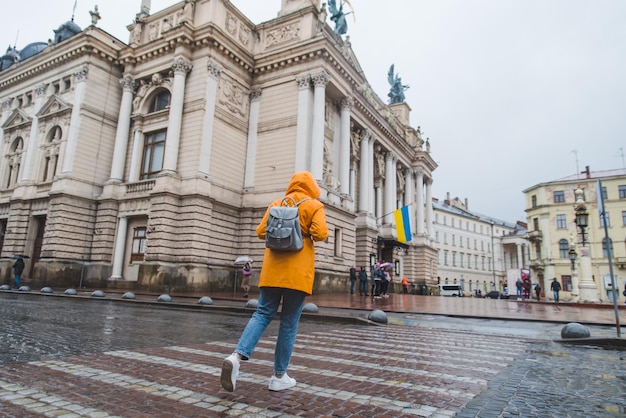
x: 296, y: 270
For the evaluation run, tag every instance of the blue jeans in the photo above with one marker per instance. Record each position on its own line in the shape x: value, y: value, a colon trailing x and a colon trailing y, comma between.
x: 269, y: 299
x: 352, y: 285
x: 556, y: 295
x: 17, y: 280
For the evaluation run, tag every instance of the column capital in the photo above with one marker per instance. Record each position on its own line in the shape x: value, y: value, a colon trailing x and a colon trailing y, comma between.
x: 420, y: 172
x: 81, y: 73
x: 6, y: 103
x: 181, y: 66
x: 320, y: 79
x: 40, y: 90
x: 346, y: 103
x: 255, y: 95
x: 304, y: 82
x: 128, y: 83
x: 215, y: 70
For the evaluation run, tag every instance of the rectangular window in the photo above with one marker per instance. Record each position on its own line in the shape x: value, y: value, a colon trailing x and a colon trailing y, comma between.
x: 623, y: 218
x: 561, y: 222
x: 139, y: 244
x: 3, y: 230
x: 454, y: 240
x: 535, y: 224
x: 622, y: 192
x: 559, y: 196
x: 338, y: 242
x: 153, y: 153
x: 538, y: 250
x: 461, y: 259
x: 606, y: 218
x: 603, y: 192
x: 453, y: 258
x: 533, y: 201
x: 445, y: 258
x: 566, y: 280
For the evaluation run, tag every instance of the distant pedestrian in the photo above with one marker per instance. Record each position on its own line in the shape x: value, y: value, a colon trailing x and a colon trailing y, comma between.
x: 384, y: 284
x: 377, y: 276
x: 405, y: 285
x: 363, y: 282
x: 526, y: 286
x: 538, y: 292
x: 353, y: 277
x: 518, y: 285
x: 555, y: 286
x: 286, y: 276
x: 18, y: 268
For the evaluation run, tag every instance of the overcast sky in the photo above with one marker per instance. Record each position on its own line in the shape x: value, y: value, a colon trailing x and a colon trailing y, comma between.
x: 511, y: 93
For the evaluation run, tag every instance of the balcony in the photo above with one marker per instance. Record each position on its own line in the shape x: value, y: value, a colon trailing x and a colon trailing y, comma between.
x: 140, y: 187
x: 620, y: 262
x: 534, y: 236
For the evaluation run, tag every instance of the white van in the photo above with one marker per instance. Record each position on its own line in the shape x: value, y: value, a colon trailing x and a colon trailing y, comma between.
x: 450, y: 290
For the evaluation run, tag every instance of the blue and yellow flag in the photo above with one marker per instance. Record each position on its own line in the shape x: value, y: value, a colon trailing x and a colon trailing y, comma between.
x: 403, y: 224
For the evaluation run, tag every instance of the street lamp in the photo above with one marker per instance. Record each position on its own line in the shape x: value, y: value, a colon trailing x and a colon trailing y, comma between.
x: 572, y: 257
x: 588, y: 291
x: 582, y: 216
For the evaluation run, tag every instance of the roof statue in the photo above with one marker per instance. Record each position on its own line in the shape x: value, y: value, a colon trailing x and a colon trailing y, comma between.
x: 338, y: 16
x: 396, y: 92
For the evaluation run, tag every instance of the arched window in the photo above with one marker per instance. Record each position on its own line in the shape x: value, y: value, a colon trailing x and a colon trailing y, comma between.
x: 563, y: 248
x: 160, y: 101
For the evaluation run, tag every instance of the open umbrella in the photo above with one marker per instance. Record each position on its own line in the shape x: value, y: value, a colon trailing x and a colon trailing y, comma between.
x: 243, y: 260
x: 19, y: 256
x: 386, y: 266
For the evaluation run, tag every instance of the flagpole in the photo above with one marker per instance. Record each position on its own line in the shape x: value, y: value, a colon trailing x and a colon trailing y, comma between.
x: 382, y: 216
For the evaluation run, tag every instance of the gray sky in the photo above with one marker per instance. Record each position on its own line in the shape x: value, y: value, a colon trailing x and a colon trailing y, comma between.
x: 511, y: 93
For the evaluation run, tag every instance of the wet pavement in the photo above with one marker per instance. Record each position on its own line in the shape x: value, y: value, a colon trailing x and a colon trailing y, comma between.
x: 75, y: 356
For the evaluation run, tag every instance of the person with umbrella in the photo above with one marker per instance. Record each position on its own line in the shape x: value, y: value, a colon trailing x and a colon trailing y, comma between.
x: 18, y: 268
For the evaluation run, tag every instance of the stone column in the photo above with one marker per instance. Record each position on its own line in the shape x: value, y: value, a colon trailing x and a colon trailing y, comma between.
x: 210, y: 98
x: 120, y: 247
x: 390, y: 188
x: 420, y: 202
x: 135, y: 159
x: 429, y: 208
x: 303, y: 138
x: 253, y: 127
x: 344, y: 146
x: 123, y: 127
x: 364, y: 173
x: 409, y: 198
x: 317, y: 132
x: 181, y: 67
x: 520, y: 260
x: 378, y: 190
x: 370, y: 176
x: 33, y: 141
x: 80, y: 77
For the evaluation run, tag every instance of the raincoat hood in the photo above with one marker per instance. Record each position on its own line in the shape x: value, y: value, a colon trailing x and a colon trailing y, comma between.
x: 303, y: 182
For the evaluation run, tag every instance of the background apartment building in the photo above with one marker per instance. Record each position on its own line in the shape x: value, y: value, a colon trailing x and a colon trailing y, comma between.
x: 475, y: 250
x: 147, y: 163
x: 555, y: 237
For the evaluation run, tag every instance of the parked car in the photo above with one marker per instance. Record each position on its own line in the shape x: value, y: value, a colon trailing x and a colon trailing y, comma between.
x: 496, y: 294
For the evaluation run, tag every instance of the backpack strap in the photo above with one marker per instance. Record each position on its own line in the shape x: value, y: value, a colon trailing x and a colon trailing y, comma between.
x: 289, y: 201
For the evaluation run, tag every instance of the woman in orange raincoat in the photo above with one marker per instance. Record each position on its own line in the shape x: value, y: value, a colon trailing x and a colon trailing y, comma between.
x: 286, y: 276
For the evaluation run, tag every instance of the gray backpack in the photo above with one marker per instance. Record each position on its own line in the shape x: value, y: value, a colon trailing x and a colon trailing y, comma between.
x: 283, y: 231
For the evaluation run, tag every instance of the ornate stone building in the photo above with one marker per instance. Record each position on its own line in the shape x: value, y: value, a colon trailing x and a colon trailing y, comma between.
x: 148, y: 165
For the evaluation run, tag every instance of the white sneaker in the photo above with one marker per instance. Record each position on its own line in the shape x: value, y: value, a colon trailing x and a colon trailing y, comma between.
x: 283, y: 383
x: 230, y: 371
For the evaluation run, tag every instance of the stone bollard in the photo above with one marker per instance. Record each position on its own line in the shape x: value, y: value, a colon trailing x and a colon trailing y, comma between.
x: 575, y: 330
x: 205, y: 300
x: 252, y: 303
x: 164, y: 298
x: 128, y: 295
x: 378, y: 316
x: 71, y: 292
x: 46, y: 290
x: 97, y: 294
x: 310, y: 307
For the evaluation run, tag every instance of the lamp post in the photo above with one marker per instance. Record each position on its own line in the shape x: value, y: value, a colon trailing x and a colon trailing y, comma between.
x: 588, y: 289
x: 573, y: 256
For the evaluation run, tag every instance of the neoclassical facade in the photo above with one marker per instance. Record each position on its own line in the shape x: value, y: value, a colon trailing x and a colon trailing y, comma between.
x: 148, y: 165
x: 559, y: 251
x: 477, y: 251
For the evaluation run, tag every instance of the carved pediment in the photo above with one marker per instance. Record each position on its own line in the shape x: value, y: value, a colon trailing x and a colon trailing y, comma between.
x: 17, y: 119
x: 54, y: 106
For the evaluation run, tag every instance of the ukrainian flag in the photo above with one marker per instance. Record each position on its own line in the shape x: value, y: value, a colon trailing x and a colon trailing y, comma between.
x: 403, y: 224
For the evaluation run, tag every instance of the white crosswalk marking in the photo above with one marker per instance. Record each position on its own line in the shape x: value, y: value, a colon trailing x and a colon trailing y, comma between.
x: 391, y: 370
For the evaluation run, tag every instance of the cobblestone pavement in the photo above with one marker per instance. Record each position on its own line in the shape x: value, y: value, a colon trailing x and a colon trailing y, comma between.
x: 62, y: 357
